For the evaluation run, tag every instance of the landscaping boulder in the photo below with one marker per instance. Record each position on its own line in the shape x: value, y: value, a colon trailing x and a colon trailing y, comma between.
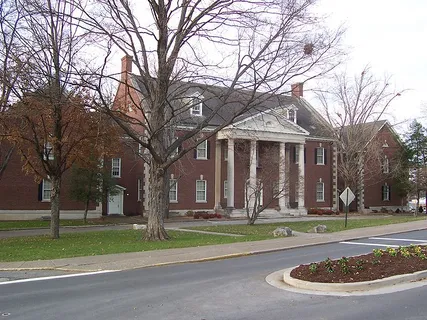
x: 282, y: 232
x: 139, y: 226
x: 318, y: 229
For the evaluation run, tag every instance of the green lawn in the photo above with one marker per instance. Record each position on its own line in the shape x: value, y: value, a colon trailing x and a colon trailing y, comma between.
x: 31, y: 224
x: 304, y: 226
x: 103, y: 242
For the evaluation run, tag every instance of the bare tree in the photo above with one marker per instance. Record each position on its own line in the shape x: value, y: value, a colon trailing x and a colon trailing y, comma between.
x: 11, y: 67
x: 353, y: 109
x: 52, y: 109
x: 226, y: 56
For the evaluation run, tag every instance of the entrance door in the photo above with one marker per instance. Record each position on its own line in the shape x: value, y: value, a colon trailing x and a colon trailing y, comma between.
x: 115, y: 203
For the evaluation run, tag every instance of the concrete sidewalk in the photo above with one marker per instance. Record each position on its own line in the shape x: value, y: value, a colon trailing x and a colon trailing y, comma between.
x: 134, y: 260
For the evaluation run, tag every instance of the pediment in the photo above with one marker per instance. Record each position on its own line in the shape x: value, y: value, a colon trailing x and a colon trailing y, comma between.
x: 272, y: 122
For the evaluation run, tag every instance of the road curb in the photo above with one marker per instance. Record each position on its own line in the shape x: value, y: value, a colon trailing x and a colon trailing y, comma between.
x: 354, y: 286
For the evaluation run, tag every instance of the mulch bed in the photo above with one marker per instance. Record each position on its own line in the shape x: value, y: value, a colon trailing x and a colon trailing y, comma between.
x: 383, y: 264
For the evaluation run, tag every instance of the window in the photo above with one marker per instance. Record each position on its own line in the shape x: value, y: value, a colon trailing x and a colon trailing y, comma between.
x: 296, y: 154
x: 225, y: 189
x: 320, y: 155
x: 386, y: 192
x: 257, y: 156
x: 173, y: 190
x: 291, y: 115
x: 202, y: 150
x: 116, y: 167
x: 46, y: 190
x: 200, y: 190
x: 226, y: 153
x: 320, y: 191
x: 196, y: 107
x: 139, y: 189
x: 386, y: 165
x: 48, y: 151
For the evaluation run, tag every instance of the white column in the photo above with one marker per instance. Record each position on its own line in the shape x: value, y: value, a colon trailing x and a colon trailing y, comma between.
x: 251, y: 188
x: 230, y: 174
x: 218, y: 174
x: 301, y: 177
x: 283, y: 188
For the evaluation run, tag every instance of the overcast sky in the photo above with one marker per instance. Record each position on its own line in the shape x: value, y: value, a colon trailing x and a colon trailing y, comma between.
x: 389, y: 36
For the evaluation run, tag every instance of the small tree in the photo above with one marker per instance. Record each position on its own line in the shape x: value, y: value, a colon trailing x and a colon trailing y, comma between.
x: 266, y: 188
x: 91, y: 184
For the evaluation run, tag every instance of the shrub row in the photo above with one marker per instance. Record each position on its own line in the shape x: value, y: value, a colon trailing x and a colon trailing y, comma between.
x: 320, y: 212
x: 206, y: 215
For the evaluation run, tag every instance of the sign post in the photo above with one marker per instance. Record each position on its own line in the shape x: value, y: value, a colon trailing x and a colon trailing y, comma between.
x: 347, y: 197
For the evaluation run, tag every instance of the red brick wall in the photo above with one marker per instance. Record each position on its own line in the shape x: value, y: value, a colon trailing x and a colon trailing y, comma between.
x: 373, y: 190
x: 19, y: 191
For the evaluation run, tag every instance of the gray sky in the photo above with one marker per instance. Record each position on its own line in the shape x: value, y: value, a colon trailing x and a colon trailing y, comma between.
x: 389, y: 36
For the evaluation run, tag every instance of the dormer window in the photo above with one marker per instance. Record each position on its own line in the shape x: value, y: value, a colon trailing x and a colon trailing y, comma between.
x: 196, y: 107
x: 292, y: 113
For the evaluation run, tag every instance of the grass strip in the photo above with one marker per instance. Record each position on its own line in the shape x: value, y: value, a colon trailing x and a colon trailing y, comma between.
x: 103, y: 242
x: 304, y: 226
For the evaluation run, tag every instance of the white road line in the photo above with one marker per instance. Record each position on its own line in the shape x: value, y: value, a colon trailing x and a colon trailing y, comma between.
x: 370, y: 244
x: 394, y: 239
x: 57, y: 277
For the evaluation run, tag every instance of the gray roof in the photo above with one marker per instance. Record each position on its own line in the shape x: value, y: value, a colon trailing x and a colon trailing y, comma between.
x: 221, y: 104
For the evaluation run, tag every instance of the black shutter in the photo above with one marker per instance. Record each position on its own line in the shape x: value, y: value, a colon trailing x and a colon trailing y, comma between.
x: 195, y: 153
x: 315, y: 155
x: 305, y: 155
x: 208, y: 149
x: 389, y: 193
x: 324, y: 156
x: 40, y: 191
x: 382, y: 193
x: 295, y: 154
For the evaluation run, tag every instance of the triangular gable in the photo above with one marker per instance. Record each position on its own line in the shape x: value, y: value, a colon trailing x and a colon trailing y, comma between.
x: 273, y: 121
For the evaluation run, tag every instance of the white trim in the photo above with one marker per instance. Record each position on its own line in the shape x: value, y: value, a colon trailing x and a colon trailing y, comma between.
x: 196, y: 96
x: 173, y: 183
x: 115, y: 168
x: 47, y: 190
x: 322, y: 155
x: 386, y: 165
x: 225, y: 189
x: 48, y: 151
x: 205, y: 191
x: 318, y: 183
x: 200, y: 147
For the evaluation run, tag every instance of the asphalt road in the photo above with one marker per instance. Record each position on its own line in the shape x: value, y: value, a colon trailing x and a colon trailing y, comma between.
x: 226, y: 289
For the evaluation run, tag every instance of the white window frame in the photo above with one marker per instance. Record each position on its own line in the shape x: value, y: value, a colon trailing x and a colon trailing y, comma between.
x: 173, y: 188
x: 226, y: 154
x: 46, y: 187
x: 385, y: 192
x: 48, y: 151
x: 203, y: 146
x: 320, y: 154
x: 196, y: 107
x: 116, y: 168
x: 202, y: 191
x: 386, y: 165
x: 139, y: 188
x: 225, y: 189
x: 320, y: 185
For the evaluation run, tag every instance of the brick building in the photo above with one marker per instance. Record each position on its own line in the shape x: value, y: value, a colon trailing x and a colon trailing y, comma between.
x: 284, y: 127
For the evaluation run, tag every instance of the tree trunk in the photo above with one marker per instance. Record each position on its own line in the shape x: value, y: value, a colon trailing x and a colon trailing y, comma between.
x: 86, y: 209
x: 54, y: 207
x: 157, y: 204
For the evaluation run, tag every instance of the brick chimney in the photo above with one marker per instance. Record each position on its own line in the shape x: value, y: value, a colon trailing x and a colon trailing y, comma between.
x: 297, y: 89
x: 126, y: 67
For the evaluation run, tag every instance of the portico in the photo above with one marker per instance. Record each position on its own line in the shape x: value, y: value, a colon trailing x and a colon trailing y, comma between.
x: 274, y: 128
